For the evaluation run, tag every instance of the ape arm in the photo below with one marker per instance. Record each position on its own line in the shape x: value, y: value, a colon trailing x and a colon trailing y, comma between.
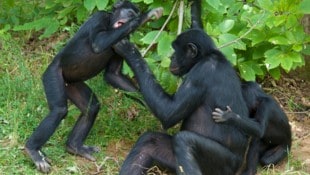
x: 169, y: 109
x: 248, y: 125
x: 196, y: 14
x: 102, y: 40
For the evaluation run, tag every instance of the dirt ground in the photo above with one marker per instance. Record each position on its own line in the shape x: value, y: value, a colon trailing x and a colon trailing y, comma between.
x: 293, y: 94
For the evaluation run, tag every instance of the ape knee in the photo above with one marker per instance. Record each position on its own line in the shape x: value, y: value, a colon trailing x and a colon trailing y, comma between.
x: 182, y: 138
x: 146, y: 137
x: 60, y: 112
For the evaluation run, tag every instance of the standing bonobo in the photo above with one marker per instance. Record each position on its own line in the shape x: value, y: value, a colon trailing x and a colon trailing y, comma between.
x: 268, y: 124
x: 202, y: 147
x: 87, y: 53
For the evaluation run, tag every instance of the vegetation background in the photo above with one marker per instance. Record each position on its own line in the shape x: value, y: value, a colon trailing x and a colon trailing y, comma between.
x: 263, y: 39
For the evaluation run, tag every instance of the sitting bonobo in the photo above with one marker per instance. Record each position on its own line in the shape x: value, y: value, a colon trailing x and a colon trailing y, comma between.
x: 268, y: 124
x: 202, y: 146
x: 88, y: 53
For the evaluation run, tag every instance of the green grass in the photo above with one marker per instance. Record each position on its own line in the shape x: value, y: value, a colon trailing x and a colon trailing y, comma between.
x: 23, y: 106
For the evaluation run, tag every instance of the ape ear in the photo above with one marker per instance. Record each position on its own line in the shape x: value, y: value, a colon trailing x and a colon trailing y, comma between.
x: 192, y: 50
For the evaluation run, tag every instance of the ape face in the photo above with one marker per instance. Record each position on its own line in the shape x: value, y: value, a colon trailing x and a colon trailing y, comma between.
x: 185, y: 56
x: 123, y: 11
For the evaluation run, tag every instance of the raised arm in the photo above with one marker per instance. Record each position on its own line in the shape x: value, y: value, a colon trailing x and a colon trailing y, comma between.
x: 102, y: 40
x: 169, y: 109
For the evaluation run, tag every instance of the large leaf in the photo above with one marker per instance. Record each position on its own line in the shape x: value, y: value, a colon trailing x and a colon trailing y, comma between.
x: 226, y: 25
x: 304, y: 6
x: 214, y: 3
x: 230, y: 54
x: 246, y: 70
x: 279, y: 40
x: 164, y: 45
x: 233, y: 39
x: 89, y: 4
x: 272, y: 58
x: 102, y: 4
x: 149, y: 37
x: 266, y: 4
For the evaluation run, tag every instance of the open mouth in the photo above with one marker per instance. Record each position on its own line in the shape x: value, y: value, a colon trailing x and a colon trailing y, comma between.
x: 119, y: 23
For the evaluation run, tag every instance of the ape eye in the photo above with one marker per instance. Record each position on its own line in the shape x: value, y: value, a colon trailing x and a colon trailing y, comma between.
x: 131, y: 13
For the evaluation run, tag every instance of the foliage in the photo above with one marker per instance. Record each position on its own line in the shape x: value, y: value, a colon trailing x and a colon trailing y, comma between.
x: 259, y: 37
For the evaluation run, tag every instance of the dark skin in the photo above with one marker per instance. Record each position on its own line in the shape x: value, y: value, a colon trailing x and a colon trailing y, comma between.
x: 268, y: 125
x: 88, y: 53
x: 202, y: 146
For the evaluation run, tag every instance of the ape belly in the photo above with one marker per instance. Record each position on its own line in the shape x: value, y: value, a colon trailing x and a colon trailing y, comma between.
x: 85, y: 67
x: 201, y: 122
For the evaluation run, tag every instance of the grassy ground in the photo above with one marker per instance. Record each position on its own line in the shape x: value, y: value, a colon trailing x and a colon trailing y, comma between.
x: 119, y: 123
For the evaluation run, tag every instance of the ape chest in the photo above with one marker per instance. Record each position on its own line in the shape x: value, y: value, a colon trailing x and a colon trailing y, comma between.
x: 86, y: 67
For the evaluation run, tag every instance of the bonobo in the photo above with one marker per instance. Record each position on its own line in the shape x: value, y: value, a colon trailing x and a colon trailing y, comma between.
x: 202, y: 146
x: 87, y: 53
x: 267, y: 123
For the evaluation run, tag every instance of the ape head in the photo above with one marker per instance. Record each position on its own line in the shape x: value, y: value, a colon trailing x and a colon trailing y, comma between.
x: 190, y: 47
x: 122, y: 12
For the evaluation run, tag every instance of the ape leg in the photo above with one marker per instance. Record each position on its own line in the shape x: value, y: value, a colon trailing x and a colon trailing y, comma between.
x: 252, y: 157
x: 199, y: 155
x: 83, y: 97
x: 113, y: 75
x: 150, y: 148
x: 55, y: 94
x: 274, y: 155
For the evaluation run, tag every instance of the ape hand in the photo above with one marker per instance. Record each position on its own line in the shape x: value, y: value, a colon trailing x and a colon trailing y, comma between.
x: 156, y: 13
x: 126, y: 49
x: 221, y: 116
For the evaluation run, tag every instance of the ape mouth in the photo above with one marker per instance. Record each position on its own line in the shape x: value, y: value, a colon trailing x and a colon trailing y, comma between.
x: 119, y: 23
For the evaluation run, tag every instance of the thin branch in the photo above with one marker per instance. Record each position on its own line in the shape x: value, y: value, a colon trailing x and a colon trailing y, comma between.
x: 161, y: 30
x: 242, y: 36
x: 181, y: 15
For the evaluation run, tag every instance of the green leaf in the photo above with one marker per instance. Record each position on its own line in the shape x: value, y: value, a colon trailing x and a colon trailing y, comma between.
x: 304, y: 7
x: 275, y: 73
x: 51, y: 28
x: 89, y: 4
x: 246, y: 70
x: 214, y: 3
x: 286, y: 64
x: 226, y: 25
x: 148, y: 38
x: 256, y: 36
x: 230, y: 54
x: 266, y: 4
x: 281, y: 40
x: 164, y: 45
x: 228, y: 38
x: 165, y: 62
x: 101, y: 4
x: 272, y: 58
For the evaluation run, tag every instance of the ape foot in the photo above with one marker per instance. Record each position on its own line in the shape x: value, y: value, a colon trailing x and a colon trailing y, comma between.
x: 83, y: 151
x: 39, y: 158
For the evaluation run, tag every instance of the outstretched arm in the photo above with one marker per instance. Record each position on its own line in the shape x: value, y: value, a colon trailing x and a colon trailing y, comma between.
x: 246, y: 124
x: 102, y: 40
x: 169, y: 109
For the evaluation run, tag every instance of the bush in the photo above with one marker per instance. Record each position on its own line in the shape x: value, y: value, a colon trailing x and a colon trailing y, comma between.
x: 259, y: 37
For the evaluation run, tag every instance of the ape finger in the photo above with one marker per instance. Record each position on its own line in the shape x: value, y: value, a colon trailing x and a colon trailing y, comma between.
x: 157, y: 13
